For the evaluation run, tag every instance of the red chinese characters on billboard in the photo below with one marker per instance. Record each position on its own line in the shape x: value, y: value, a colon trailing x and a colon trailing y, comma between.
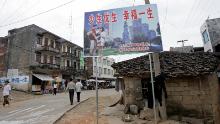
x: 122, y: 31
x: 127, y: 15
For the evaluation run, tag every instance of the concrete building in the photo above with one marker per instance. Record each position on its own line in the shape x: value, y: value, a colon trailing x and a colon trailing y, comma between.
x: 187, y: 49
x: 210, y: 32
x: 70, y: 59
x: 39, y: 55
x: 3, y: 55
x: 105, y: 71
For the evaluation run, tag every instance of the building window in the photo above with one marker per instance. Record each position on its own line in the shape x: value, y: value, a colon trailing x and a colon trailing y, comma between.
x: 52, y: 43
x: 39, y: 41
x: 108, y: 63
x: 75, y: 52
x: 99, y: 60
x: 69, y: 49
x: 45, y: 59
x: 205, y: 36
x: 104, y: 61
x: 1, y: 59
x: 105, y: 70
x: 100, y: 70
x: 57, y: 60
x: 109, y: 72
x: 78, y: 65
x: 51, y: 59
x: 79, y: 53
x: 75, y: 65
x: 38, y: 57
x: 95, y: 59
x: 68, y: 63
x: 46, y: 42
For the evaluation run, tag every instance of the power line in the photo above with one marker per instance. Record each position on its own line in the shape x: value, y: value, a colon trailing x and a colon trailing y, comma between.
x: 22, y: 13
x: 198, y: 14
x: 166, y: 11
x: 14, y: 12
x: 3, y: 4
x: 190, y: 12
x: 27, y: 18
x: 208, y: 10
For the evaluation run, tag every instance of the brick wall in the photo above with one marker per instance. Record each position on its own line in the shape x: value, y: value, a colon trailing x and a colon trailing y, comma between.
x: 192, y: 96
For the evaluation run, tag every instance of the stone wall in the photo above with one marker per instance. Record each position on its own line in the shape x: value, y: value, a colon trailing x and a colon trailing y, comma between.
x: 193, y: 96
x: 133, y: 92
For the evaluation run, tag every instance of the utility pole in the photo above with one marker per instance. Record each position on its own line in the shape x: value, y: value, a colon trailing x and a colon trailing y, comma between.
x: 182, y: 41
x: 152, y: 80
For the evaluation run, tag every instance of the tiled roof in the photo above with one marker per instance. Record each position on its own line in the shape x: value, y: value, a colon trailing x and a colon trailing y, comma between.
x: 173, y: 64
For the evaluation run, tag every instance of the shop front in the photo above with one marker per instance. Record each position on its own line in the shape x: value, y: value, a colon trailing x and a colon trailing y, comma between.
x: 42, y: 83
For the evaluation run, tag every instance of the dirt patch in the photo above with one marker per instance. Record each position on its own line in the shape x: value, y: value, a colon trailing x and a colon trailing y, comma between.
x: 85, y: 113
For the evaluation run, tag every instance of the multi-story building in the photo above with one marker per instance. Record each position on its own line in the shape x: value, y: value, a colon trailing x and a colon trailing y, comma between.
x: 3, y: 55
x: 70, y: 59
x: 210, y: 32
x: 41, y: 56
x: 104, y: 72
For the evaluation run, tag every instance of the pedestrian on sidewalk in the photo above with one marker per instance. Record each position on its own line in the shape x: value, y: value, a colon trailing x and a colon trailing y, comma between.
x: 78, y: 89
x: 6, y: 92
x: 71, y: 87
x: 55, y: 88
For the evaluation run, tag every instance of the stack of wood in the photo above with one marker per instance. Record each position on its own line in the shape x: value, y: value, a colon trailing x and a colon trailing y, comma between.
x: 173, y: 64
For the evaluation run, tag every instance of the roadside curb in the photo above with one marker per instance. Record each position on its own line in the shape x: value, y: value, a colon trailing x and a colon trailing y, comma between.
x: 69, y: 110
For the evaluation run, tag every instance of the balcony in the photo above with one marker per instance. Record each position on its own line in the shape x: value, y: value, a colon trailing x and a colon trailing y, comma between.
x: 46, y: 66
x: 47, y: 48
x: 71, y: 70
x: 67, y: 54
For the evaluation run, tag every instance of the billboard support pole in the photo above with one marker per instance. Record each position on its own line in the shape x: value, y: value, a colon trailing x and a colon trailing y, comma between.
x: 152, y: 80
x: 97, y: 95
x: 152, y: 84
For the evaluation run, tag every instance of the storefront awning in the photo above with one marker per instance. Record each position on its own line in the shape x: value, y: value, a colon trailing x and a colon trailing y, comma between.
x: 43, y: 77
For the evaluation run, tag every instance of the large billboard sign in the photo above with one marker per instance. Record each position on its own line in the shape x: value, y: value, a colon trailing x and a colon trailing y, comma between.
x: 122, y: 31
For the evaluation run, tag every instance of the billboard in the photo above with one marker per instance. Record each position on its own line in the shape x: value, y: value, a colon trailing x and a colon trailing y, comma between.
x: 122, y: 31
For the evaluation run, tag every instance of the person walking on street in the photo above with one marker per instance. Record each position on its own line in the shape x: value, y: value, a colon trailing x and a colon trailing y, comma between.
x: 6, y: 93
x: 55, y: 88
x: 71, y: 87
x: 78, y: 89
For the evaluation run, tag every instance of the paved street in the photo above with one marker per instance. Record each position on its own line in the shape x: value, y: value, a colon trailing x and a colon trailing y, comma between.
x: 43, y: 110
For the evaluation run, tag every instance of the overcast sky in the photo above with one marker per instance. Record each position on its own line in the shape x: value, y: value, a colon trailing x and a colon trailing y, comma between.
x: 179, y: 19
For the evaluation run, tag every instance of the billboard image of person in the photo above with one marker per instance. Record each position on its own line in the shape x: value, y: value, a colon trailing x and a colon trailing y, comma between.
x: 122, y: 31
